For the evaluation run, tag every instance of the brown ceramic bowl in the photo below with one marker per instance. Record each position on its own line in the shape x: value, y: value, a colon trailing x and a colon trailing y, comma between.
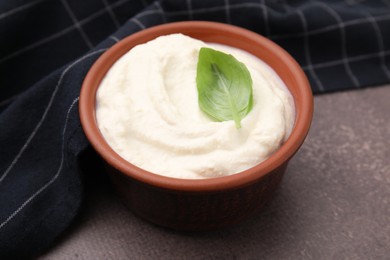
x: 209, y: 203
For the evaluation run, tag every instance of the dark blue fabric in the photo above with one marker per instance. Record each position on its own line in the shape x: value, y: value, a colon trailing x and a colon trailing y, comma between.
x: 47, y: 47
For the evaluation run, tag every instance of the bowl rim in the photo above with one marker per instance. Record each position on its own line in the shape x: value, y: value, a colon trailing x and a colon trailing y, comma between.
x: 246, y: 177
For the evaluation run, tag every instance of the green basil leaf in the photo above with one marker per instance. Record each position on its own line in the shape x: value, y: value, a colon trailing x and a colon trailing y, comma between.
x: 224, y: 86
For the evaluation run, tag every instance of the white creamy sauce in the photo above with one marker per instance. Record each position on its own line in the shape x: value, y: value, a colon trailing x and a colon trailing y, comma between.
x: 147, y: 110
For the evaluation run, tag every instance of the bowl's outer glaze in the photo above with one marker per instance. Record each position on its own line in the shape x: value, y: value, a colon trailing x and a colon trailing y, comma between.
x: 210, y: 203
x: 195, y: 211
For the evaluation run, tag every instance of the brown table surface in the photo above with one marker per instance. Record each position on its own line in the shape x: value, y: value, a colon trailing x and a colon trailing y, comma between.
x: 334, y: 201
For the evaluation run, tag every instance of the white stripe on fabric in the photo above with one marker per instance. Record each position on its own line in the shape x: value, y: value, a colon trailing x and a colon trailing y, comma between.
x: 351, y: 59
x: 138, y: 22
x: 77, y: 24
x: 344, y: 53
x: 46, y: 185
x: 111, y: 13
x: 38, y: 43
x: 150, y: 12
x: 265, y: 15
x: 189, y: 8
x: 20, y: 8
x: 60, y: 33
x: 307, y: 52
x: 328, y: 28
x: 258, y: 5
x: 201, y: 10
x: 161, y: 11
x: 227, y: 11
x: 53, y: 95
x: 216, y: 9
x: 380, y: 42
x: 114, y: 38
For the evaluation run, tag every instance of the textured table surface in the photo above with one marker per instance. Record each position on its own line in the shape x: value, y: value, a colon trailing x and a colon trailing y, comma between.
x: 334, y: 202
